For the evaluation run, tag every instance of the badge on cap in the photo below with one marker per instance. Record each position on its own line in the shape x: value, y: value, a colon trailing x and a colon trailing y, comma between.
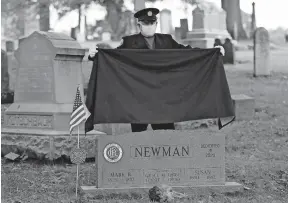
x: 149, y: 13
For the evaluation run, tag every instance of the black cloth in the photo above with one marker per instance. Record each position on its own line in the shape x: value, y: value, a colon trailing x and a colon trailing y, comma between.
x: 138, y: 41
x: 157, y: 86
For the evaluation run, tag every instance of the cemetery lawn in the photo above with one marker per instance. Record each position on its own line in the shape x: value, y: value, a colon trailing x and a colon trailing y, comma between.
x: 256, y: 154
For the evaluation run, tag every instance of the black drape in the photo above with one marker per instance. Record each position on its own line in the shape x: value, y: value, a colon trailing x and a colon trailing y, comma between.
x: 157, y: 86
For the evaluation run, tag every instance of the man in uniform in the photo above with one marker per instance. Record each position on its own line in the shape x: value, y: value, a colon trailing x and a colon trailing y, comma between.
x: 148, y: 39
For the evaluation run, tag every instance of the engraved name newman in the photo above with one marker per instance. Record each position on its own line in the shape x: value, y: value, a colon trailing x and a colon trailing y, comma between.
x: 159, y: 151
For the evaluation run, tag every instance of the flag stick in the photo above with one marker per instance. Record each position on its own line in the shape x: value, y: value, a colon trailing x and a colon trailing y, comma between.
x: 77, y: 179
x: 78, y: 137
x: 77, y: 176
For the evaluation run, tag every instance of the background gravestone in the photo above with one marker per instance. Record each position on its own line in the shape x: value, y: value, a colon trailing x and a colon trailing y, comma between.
x: 208, y: 23
x: 46, y: 81
x: 166, y: 21
x: 228, y: 58
x: 184, y: 26
x: 178, y: 33
x: 4, y: 72
x: 261, y: 52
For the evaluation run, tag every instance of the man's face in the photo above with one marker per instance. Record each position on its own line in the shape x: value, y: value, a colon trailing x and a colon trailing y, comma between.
x: 148, y: 28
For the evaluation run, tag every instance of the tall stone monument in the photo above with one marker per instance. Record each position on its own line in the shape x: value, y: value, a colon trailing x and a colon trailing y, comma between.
x: 166, y: 21
x: 261, y: 52
x: 209, y: 23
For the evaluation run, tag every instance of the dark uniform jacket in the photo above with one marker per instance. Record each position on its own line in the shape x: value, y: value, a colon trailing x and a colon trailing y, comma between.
x: 137, y: 41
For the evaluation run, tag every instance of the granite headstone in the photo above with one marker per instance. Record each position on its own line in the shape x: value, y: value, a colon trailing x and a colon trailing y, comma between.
x: 261, y: 52
x: 177, y: 158
x: 46, y: 81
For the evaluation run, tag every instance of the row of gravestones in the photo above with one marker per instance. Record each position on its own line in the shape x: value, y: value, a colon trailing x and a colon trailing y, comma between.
x: 261, y: 63
x: 229, y: 48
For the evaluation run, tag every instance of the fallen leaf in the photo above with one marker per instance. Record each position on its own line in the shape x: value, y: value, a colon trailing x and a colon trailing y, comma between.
x: 11, y: 156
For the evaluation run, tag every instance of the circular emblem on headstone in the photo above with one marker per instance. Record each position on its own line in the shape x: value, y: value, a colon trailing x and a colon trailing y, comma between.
x: 78, y: 156
x: 113, y: 153
x: 149, y: 13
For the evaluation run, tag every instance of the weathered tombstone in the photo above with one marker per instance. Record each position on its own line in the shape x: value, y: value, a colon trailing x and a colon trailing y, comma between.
x: 244, y: 107
x: 9, y: 46
x: 166, y: 21
x: 228, y: 58
x: 49, y: 64
x: 261, y: 52
x: 178, y: 33
x: 46, y: 82
x: 73, y: 33
x: 184, y: 26
x: 146, y: 159
x: 106, y: 36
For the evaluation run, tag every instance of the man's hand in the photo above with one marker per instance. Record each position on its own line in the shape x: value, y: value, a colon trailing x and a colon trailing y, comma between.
x: 92, y: 52
x: 222, y: 50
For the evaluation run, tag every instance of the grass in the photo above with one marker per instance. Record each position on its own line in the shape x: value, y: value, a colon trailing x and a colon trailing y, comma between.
x: 256, y: 155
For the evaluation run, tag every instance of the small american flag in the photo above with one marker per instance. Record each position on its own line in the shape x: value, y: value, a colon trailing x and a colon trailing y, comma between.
x: 80, y: 112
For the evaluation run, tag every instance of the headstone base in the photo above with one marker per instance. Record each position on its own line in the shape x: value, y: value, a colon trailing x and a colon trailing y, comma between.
x: 45, y: 145
x: 113, y: 128
x: 244, y: 107
x: 191, y: 190
x: 202, y: 38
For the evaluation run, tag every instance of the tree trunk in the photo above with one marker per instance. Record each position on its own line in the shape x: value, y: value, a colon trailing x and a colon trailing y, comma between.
x: 138, y: 5
x: 113, y: 17
x: 79, y: 15
x: 234, y: 16
x: 44, y: 13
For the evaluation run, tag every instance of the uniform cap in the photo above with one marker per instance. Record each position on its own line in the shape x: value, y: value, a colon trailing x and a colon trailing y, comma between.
x: 147, y: 14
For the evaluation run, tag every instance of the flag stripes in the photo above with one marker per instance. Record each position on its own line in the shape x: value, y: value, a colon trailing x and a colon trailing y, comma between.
x: 79, y: 113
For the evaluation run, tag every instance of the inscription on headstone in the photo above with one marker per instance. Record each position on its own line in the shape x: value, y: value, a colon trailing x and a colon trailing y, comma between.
x: 261, y: 52
x: 160, y: 157
x: 30, y: 121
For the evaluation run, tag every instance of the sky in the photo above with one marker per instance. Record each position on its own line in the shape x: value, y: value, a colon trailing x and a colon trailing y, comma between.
x: 269, y: 14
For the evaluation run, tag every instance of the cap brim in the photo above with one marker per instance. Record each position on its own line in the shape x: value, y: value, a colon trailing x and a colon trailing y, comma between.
x: 147, y: 18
